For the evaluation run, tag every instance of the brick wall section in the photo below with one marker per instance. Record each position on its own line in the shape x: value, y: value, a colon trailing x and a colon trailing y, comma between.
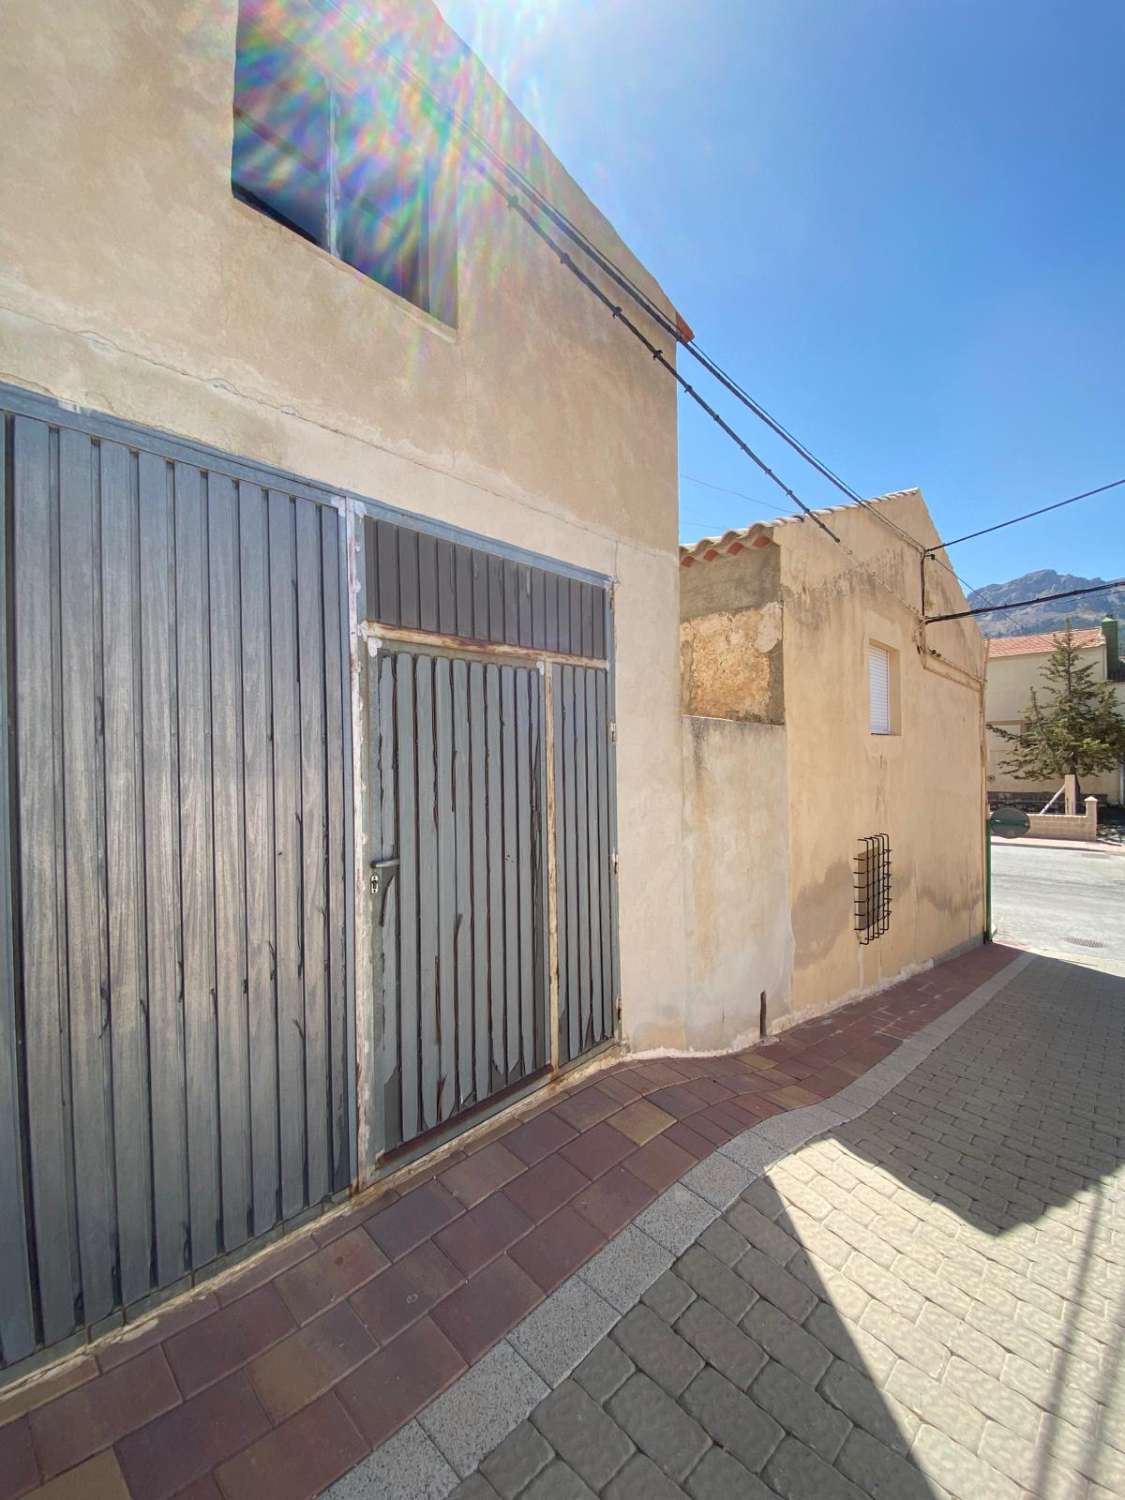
x: 282, y: 1378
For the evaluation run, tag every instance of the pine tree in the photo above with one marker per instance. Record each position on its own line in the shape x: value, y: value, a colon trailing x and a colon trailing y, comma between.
x: 1076, y: 730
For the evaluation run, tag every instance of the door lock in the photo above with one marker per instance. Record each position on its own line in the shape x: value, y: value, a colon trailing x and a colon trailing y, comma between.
x: 382, y: 873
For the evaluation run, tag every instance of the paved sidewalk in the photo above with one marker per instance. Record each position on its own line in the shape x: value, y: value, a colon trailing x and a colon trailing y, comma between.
x: 287, y: 1374
x: 928, y: 1300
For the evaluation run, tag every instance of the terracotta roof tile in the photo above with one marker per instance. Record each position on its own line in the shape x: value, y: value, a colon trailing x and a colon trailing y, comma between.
x: 1039, y: 645
x: 758, y: 535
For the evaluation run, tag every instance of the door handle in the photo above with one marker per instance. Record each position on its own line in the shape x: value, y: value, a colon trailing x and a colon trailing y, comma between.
x: 382, y: 873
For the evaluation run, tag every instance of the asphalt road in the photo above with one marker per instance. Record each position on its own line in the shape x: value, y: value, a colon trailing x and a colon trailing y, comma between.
x: 1066, y: 902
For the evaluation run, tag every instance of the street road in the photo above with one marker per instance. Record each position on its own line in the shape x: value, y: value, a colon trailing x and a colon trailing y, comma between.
x: 1067, y: 902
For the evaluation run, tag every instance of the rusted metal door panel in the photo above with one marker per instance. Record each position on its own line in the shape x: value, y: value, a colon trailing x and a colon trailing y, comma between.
x: 173, y: 970
x: 456, y: 846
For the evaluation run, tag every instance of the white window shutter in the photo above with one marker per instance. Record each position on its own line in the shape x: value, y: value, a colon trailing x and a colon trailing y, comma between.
x: 879, y: 676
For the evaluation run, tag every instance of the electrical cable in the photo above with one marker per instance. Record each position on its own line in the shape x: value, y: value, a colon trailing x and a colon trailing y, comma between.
x: 1042, y: 511
x: 989, y: 609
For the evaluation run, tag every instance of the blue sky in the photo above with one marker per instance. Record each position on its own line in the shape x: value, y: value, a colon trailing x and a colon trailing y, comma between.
x: 900, y: 223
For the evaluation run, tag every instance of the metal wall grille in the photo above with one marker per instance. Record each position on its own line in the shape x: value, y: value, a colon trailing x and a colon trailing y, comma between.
x: 873, y: 887
x: 456, y: 841
x: 421, y: 582
x: 173, y: 1002
x: 585, y: 879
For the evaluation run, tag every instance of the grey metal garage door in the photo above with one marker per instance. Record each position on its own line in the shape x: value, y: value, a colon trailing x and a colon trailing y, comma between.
x: 174, y: 1076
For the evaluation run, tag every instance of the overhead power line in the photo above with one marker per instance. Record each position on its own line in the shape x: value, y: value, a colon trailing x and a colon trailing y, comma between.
x: 989, y: 609
x: 1042, y: 511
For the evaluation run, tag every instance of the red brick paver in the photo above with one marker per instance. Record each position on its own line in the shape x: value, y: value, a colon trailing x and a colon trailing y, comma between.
x: 283, y: 1376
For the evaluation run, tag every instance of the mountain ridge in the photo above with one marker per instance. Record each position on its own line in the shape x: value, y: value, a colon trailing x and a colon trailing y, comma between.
x: 1083, y: 612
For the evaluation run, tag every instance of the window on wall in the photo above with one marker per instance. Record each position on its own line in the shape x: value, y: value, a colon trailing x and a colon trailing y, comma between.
x: 335, y: 164
x: 882, y: 688
x: 872, y: 879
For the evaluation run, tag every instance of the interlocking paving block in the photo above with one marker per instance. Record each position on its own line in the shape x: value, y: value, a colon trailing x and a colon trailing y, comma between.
x: 757, y: 1229
x: 668, y: 1296
x: 677, y: 1218
x: 733, y: 1420
x: 582, y: 1434
x: 604, y: 1370
x: 789, y: 1343
x: 563, y: 1329
x: 795, y: 1404
x: 721, y: 1343
x: 655, y: 1349
x: 625, y: 1269
x: 936, y: 1403
x: 796, y: 1473
x: 640, y: 1479
x: 774, y: 1283
x: 559, y: 1482
x: 718, y: 1476
x: 960, y: 1470
x: 880, y: 1472
x: 481, y: 1408
x: 658, y: 1425
x: 476, y: 1487
x: 862, y: 1401
x: 408, y: 1466
x: 520, y: 1457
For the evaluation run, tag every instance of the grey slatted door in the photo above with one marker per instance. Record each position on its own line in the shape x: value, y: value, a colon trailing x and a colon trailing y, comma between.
x: 586, y: 886
x: 457, y: 839
x: 173, y: 988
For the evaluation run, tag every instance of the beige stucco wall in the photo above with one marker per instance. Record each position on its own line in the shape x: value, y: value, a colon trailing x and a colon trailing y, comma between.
x: 133, y: 283
x: 1010, y: 680
x: 922, y: 786
x: 736, y: 879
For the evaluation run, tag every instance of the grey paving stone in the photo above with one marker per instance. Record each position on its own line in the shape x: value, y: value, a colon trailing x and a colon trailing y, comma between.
x: 753, y: 1150
x: 936, y: 1403
x: 879, y: 1472
x: 858, y: 1397
x: 721, y: 1286
x: 512, y: 1466
x: 640, y: 1479
x: 563, y: 1329
x: 408, y: 1466
x: 796, y: 1473
x: 796, y: 1406
x: 721, y: 1342
x: 1001, y: 1402
x: 787, y: 1341
x: 580, y: 1432
x: 668, y: 1296
x: 764, y: 1196
x: 851, y: 1344
x: 558, y: 1482
x: 959, y: 1470
x: 658, y: 1425
x: 775, y: 1283
x: 757, y: 1230
x: 476, y: 1487
x: 797, y: 1126
x: 734, y: 1421
x: 718, y: 1476
x: 625, y: 1269
x: 904, y: 1338
x: 482, y: 1407
x: 677, y: 1218
x: 724, y: 1243
x: 719, y: 1179
x: 604, y: 1370
x: 657, y: 1350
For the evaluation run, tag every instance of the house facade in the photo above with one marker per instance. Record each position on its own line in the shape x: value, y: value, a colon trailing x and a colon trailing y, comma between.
x: 833, y: 762
x: 342, y: 674
x: 1015, y: 666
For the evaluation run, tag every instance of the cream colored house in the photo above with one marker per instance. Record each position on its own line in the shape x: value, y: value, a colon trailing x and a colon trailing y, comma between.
x: 833, y: 762
x: 343, y: 585
x: 1015, y: 666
